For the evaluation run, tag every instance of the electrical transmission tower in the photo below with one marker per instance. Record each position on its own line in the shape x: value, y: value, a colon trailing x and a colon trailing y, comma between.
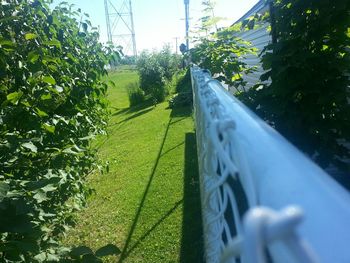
x: 120, y: 25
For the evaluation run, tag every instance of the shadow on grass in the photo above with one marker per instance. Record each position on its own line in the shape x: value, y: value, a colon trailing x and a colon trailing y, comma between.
x: 126, y: 251
x: 148, y: 232
x: 173, y: 148
x: 181, y: 112
x: 192, y: 240
x: 147, y: 103
x: 137, y: 114
x: 86, y: 254
x: 139, y: 110
x: 191, y: 244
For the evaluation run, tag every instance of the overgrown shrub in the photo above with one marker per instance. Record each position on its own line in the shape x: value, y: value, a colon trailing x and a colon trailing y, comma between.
x: 150, y: 72
x: 51, y: 106
x: 155, y: 69
x: 308, y: 64
x: 135, y: 94
x: 169, y: 62
x: 158, y: 93
x: 181, y: 85
x: 180, y: 82
x: 180, y: 100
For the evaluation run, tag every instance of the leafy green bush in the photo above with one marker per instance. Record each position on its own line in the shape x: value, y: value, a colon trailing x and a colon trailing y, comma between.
x: 180, y: 100
x: 151, y: 73
x: 184, y: 81
x: 135, y: 94
x: 221, y: 53
x: 181, y: 85
x: 180, y: 82
x: 51, y: 106
x: 155, y: 69
x: 308, y: 98
x: 169, y: 62
x: 158, y: 93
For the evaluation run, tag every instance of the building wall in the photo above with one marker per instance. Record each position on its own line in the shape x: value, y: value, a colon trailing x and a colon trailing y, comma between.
x: 258, y: 38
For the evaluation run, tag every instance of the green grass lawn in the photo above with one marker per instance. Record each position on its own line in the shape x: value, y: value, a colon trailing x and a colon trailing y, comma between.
x: 148, y: 203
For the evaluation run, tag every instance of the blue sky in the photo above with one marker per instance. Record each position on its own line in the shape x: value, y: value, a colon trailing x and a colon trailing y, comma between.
x: 158, y: 22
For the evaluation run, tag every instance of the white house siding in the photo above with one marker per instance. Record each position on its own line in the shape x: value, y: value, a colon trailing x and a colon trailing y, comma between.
x: 258, y: 38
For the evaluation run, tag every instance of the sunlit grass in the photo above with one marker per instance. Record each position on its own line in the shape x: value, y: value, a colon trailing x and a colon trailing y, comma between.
x: 151, y: 190
x: 118, y: 95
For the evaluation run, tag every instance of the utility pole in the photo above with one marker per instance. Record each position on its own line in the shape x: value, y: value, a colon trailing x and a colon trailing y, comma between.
x: 187, y: 11
x: 120, y: 25
x: 176, y: 47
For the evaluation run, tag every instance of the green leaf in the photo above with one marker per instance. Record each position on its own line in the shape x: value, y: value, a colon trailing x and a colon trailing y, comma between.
x: 81, y: 250
x: 14, y: 97
x: 49, y: 188
x: 54, y: 43
x: 30, y: 36
x: 46, y: 96
x: 40, y: 257
x: 52, y: 258
x: 236, y: 77
x: 48, y: 127
x: 112, y: 83
x: 35, y: 185
x: 40, y: 112
x: 58, y: 88
x: 85, y: 26
x: 33, y: 56
x: 4, y: 188
x: 108, y: 250
x: 89, y: 137
x: 70, y: 56
x: 6, y: 19
x: 49, y: 80
x: 69, y: 150
x: 40, y: 196
x: 30, y: 146
x: 7, y: 44
x: 50, y: 59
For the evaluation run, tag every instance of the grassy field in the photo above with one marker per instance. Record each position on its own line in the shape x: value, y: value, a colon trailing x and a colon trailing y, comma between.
x: 148, y: 203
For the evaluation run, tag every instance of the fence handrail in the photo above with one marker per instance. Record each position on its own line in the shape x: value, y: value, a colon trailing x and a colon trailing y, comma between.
x: 272, y: 172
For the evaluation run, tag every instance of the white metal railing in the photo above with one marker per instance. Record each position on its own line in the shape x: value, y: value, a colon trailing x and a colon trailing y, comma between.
x: 262, y: 198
